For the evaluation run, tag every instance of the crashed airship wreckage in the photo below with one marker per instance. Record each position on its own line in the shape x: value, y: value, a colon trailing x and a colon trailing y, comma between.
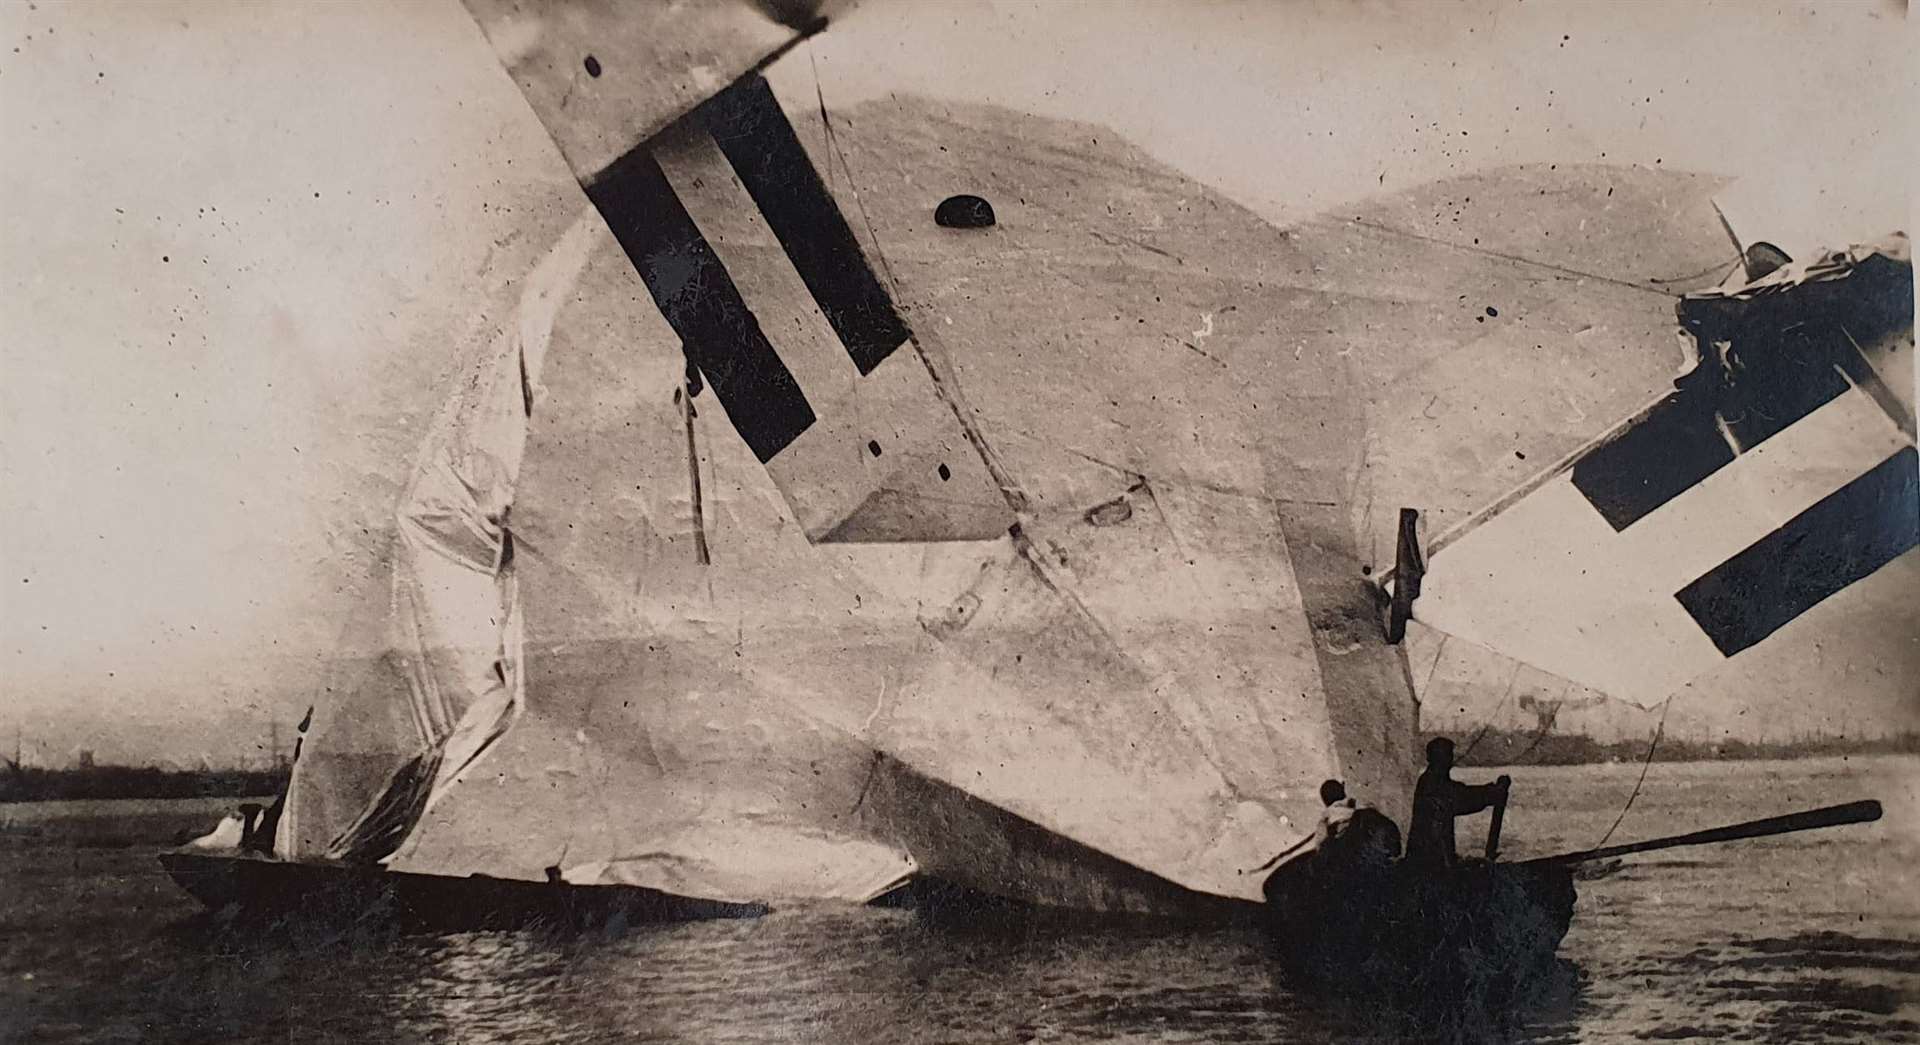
x: 773, y: 596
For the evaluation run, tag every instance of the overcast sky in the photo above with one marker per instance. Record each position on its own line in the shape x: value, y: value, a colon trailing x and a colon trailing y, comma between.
x: 228, y: 225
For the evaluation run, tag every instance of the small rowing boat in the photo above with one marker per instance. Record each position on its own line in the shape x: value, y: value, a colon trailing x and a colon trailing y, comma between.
x: 1481, y: 927
x: 260, y: 887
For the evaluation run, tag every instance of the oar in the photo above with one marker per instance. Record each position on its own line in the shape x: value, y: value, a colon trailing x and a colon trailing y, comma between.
x: 1279, y: 856
x: 1493, y: 829
x: 1829, y: 816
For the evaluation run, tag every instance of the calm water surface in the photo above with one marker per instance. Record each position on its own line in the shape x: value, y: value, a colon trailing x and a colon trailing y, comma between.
x: 1805, y: 938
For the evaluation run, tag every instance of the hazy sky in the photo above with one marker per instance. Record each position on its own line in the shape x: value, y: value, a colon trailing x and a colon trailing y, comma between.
x: 237, y: 235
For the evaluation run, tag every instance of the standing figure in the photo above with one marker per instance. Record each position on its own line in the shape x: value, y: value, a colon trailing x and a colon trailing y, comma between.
x: 1437, y: 800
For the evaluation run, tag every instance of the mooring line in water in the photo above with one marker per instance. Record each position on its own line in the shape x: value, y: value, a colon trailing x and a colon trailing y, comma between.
x: 1652, y: 746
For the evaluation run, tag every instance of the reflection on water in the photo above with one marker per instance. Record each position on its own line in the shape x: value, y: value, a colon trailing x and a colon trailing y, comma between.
x: 1808, y: 987
x: 1806, y: 939
x: 828, y: 975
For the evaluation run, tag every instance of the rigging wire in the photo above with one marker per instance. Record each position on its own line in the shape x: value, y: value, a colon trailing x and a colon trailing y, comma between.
x: 1009, y: 489
x: 1652, y: 746
x: 1434, y: 668
x: 1517, y: 259
x: 1723, y: 268
x: 826, y: 123
x: 1546, y: 726
x: 826, y: 128
x: 1495, y: 717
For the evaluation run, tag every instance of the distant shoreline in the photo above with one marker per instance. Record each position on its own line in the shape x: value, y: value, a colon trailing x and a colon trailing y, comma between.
x: 1502, y: 747
x: 1492, y: 747
x: 40, y: 784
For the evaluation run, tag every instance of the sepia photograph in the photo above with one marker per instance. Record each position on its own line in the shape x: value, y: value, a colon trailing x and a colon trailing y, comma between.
x: 958, y: 521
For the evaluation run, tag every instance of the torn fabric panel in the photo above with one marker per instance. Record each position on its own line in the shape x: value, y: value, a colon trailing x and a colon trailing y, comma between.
x: 450, y: 682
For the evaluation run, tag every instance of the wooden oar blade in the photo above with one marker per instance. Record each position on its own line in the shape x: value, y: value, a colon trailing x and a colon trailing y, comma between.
x: 1860, y: 812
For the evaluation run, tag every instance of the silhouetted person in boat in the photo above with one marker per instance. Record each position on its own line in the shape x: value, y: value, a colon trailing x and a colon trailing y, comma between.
x: 1345, y: 874
x: 259, y: 837
x: 1346, y: 829
x: 250, y: 830
x: 1437, y: 799
x: 1352, y: 836
x: 1352, y: 849
x: 1337, y: 814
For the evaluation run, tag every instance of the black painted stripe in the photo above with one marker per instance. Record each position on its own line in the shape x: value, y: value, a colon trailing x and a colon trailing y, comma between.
x: 717, y: 330
x: 1848, y: 535
x: 757, y: 140
x: 1788, y: 353
x: 1679, y: 443
x: 1675, y: 446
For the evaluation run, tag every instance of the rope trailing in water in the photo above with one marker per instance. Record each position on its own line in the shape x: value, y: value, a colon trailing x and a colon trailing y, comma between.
x: 1652, y: 746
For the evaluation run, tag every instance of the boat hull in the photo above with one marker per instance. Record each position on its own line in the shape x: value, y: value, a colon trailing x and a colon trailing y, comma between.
x: 953, y: 907
x: 250, y: 885
x: 1477, y: 929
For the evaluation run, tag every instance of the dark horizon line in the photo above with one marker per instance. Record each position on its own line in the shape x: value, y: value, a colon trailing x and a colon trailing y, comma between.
x: 1488, y: 748
x: 1509, y: 747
